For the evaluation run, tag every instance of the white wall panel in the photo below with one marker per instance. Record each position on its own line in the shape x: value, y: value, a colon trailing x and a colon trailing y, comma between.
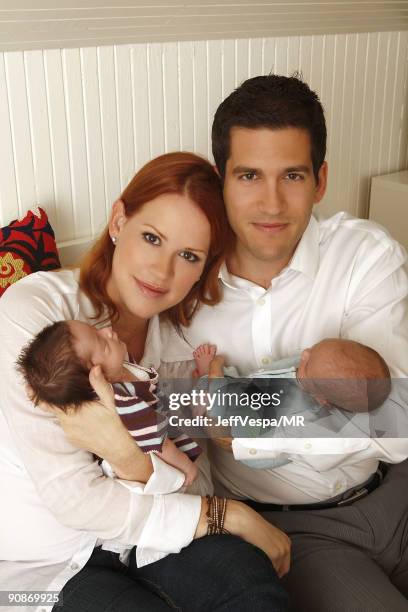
x: 76, y: 141
x: 200, y: 93
x: 109, y: 123
x: 20, y: 127
x: 186, y: 94
x: 126, y: 138
x: 141, y: 108
x: 57, y: 116
x: 39, y: 128
x: 8, y: 182
x: 171, y: 103
x: 77, y: 123
x: 93, y: 136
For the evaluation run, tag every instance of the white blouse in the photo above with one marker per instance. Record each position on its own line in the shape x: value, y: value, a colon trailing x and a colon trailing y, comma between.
x: 56, y: 502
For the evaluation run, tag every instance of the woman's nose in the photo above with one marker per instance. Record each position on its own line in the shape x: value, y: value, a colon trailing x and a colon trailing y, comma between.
x: 163, y: 268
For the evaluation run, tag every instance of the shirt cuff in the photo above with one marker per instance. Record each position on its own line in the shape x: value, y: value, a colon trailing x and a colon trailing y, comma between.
x: 170, y: 527
x: 164, y: 479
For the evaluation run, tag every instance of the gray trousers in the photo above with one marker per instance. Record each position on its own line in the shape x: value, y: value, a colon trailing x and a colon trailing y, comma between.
x: 353, y: 558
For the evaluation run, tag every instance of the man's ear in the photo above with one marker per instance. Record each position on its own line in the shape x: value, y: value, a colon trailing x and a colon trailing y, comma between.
x: 321, y: 186
x: 117, y: 219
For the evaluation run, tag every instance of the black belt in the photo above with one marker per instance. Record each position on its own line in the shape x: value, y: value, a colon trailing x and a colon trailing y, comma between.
x: 345, y: 499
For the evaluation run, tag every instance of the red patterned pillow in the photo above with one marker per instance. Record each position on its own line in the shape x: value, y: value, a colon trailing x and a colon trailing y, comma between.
x: 26, y: 246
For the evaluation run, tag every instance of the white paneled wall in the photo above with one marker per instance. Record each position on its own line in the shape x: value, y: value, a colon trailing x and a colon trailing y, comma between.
x: 75, y: 124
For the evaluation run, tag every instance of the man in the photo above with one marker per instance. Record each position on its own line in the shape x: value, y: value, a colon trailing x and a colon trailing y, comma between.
x: 289, y: 281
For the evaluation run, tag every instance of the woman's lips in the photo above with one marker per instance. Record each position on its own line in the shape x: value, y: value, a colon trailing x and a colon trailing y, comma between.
x: 270, y: 228
x: 151, y: 291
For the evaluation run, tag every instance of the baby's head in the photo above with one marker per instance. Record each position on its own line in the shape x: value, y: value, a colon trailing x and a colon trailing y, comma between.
x: 56, y: 363
x: 345, y: 374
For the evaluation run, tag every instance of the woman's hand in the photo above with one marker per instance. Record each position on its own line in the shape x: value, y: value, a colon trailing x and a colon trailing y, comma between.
x: 97, y: 427
x: 242, y: 521
x: 224, y: 443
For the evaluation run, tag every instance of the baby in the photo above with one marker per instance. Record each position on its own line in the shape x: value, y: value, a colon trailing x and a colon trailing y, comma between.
x: 56, y: 365
x: 333, y: 374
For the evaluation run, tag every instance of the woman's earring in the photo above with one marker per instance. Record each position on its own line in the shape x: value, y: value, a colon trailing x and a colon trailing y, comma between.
x: 114, y: 239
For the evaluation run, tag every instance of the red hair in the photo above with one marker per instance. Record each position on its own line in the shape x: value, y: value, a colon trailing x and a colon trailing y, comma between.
x: 178, y: 173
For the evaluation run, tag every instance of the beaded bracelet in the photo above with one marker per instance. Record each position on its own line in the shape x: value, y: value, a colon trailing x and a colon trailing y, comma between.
x: 216, y: 515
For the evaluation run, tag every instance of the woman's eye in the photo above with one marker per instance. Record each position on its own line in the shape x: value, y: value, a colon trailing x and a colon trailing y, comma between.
x: 152, y: 238
x: 189, y: 256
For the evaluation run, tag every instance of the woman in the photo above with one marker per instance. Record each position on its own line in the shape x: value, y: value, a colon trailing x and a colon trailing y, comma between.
x: 70, y: 528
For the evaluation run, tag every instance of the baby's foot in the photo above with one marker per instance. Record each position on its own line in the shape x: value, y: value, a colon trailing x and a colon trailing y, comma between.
x: 203, y: 356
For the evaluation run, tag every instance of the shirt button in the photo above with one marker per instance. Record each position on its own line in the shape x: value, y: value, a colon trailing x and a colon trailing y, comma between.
x: 261, y: 301
x: 265, y: 360
x: 253, y: 451
x: 74, y: 567
x: 308, y: 445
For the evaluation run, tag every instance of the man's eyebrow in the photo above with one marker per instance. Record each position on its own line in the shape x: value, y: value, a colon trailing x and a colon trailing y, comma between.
x: 245, y: 170
x: 248, y: 169
x: 301, y: 168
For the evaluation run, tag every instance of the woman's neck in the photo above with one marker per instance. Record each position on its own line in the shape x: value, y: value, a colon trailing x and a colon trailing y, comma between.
x: 133, y: 332
x: 131, y: 329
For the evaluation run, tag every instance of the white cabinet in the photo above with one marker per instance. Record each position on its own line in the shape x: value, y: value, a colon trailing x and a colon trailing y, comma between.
x: 389, y: 204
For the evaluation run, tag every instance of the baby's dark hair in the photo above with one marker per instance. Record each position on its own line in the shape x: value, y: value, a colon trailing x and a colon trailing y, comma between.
x: 52, y: 369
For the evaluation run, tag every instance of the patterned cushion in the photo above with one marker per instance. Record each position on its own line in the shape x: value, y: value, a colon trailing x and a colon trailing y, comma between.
x: 26, y: 246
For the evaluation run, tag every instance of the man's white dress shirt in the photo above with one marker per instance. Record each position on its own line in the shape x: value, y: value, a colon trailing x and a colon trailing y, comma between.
x: 56, y: 503
x: 347, y: 279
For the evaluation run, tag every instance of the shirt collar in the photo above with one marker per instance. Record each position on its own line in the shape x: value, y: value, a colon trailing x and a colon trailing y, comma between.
x: 304, y: 260
x: 306, y: 256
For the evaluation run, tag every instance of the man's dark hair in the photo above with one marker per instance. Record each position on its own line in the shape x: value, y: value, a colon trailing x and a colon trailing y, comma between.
x: 273, y: 102
x: 53, y: 370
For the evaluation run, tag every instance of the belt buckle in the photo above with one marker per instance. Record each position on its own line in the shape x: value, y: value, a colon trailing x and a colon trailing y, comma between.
x: 359, y: 494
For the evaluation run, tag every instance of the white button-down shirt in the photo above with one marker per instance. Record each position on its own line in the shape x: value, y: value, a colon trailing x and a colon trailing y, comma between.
x: 56, y: 503
x: 347, y: 279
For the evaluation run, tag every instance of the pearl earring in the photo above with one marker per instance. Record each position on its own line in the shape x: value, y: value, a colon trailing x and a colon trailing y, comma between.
x: 114, y: 239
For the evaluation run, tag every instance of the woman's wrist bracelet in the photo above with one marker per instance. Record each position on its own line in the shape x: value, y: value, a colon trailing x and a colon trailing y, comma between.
x: 217, y: 508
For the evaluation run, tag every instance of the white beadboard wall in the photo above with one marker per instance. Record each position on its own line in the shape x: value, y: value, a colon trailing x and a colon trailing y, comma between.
x: 76, y: 123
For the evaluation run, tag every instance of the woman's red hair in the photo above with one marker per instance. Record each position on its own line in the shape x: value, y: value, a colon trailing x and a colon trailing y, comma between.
x: 179, y: 173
